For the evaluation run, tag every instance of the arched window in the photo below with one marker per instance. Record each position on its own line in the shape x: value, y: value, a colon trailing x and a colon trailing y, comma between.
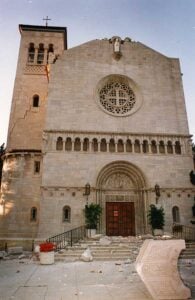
x: 120, y: 146
x: 112, y: 145
x: 66, y: 214
x: 37, y: 166
x: 128, y: 146
x: 95, y: 145
x: 175, y: 214
x: 86, y: 144
x: 50, y: 54
x: 50, y: 48
x: 161, y: 147
x: 169, y: 147
x: 59, y: 143
x: 137, y: 146
x: 145, y: 146
x: 103, y: 145
x: 177, y: 147
x: 153, y: 147
x: 40, y: 56
x: 68, y: 144
x: 36, y: 101
x: 31, y: 53
x: 33, y: 214
x: 77, y: 144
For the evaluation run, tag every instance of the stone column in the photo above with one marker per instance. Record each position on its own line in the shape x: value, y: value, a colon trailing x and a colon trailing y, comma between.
x: 35, y: 56
x: 45, y: 56
x: 99, y: 146
x: 107, y: 146
x: 90, y: 146
x: 150, y: 148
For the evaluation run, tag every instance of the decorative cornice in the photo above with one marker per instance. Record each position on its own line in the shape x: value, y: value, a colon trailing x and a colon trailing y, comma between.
x: 119, y: 133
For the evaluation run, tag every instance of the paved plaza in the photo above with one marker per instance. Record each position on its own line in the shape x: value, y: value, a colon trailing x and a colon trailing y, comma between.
x: 28, y: 280
x: 24, y: 280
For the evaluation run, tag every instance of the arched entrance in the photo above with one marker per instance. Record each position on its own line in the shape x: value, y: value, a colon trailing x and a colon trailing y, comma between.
x: 121, y: 193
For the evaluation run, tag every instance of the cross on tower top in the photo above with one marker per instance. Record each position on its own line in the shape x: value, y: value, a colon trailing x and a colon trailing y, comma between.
x: 46, y: 19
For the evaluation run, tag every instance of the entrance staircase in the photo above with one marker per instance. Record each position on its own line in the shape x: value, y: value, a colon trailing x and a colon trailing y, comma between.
x: 189, y: 252
x: 120, y: 249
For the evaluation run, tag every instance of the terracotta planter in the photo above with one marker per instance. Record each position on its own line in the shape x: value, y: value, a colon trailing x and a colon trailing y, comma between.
x: 47, y: 258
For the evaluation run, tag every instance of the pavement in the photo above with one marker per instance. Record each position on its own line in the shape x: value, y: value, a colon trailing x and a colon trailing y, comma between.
x: 25, y: 279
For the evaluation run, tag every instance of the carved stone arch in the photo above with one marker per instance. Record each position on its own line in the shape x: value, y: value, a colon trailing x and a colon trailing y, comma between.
x: 123, y: 183
x: 123, y: 167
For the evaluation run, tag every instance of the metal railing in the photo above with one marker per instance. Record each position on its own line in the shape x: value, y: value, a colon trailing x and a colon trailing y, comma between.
x: 68, y: 238
x: 184, y: 232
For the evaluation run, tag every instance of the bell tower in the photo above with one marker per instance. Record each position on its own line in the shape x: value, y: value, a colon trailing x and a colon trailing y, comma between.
x: 40, y: 47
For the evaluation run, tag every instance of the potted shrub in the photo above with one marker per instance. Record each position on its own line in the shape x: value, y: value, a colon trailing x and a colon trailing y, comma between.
x: 47, y: 253
x: 92, y: 217
x: 156, y: 218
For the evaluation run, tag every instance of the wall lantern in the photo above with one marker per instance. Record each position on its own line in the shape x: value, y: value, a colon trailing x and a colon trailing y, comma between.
x: 157, y: 192
x: 87, y: 191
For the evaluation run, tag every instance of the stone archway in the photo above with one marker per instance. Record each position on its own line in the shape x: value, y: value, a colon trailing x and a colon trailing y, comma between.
x: 121, y: 193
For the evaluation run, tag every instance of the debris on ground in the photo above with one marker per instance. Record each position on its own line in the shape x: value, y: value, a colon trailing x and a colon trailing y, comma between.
x: 86, y: 256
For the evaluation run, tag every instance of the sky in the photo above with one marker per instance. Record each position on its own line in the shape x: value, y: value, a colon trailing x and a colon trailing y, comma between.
x: 167, y: 26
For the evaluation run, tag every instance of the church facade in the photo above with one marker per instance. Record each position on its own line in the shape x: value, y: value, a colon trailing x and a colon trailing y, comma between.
x: 108, y: 114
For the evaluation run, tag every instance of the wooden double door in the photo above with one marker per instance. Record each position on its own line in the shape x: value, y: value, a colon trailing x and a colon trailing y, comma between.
x: 120, y: 218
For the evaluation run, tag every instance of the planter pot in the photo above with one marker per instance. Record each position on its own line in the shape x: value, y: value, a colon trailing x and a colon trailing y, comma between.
x: 91, y: 232
x: 158, y: 232
x: 47, y: 258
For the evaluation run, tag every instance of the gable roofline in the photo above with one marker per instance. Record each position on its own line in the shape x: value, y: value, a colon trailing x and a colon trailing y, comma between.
x: 23, y: 27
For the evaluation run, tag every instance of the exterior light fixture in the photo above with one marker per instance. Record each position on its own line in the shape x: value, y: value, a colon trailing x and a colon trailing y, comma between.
x: 87, y: 192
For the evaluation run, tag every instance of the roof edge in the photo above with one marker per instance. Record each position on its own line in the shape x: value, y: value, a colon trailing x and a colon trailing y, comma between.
x: 23, y: 27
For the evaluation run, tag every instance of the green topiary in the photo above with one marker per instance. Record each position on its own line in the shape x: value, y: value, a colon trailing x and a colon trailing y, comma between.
x: 92, y: 215
x: 156, y: 217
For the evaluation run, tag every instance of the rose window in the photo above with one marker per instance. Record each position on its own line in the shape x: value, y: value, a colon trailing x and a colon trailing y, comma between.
x: 117, y: 98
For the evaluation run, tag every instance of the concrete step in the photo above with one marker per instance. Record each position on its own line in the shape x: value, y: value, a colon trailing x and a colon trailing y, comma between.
x: 189, y: 252
x: 118, y: 249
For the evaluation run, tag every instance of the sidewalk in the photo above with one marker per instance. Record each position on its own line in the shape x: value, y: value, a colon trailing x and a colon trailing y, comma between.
x: 27, y: 280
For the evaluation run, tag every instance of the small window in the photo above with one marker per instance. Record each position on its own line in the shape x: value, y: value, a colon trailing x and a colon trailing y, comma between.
x: 86, y: 144
x: 50, y: 48
x: 33, y: 214
x: 120, y: 146
x: 128, y: 146
x: 37, y: 167
x: 95, y: 145
x: 162, y: 147
x: 77, y: 144
x: 103, y: 145
x: 35, y: 101
x: 137, y: 146
x: 175, y: 214
x: 31, y: 53
x: 68, y: 144
x: 112, y: 145
x: 145, y: 146
x: 153, y: 147
x: 59, y: 143
x: 66, y: 214
x: 169, y: 147
x: 40, y: 56
x: 177, y: 147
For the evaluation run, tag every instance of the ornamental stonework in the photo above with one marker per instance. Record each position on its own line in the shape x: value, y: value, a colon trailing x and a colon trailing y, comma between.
x: 117, y: 98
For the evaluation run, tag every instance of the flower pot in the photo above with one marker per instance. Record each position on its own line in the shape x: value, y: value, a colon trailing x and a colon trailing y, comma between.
x: 158, y: 232
x: 47, y: 258
x: 91, y: 232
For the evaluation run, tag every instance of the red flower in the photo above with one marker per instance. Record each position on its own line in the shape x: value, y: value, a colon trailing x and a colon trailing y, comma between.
x: 47, y: 247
